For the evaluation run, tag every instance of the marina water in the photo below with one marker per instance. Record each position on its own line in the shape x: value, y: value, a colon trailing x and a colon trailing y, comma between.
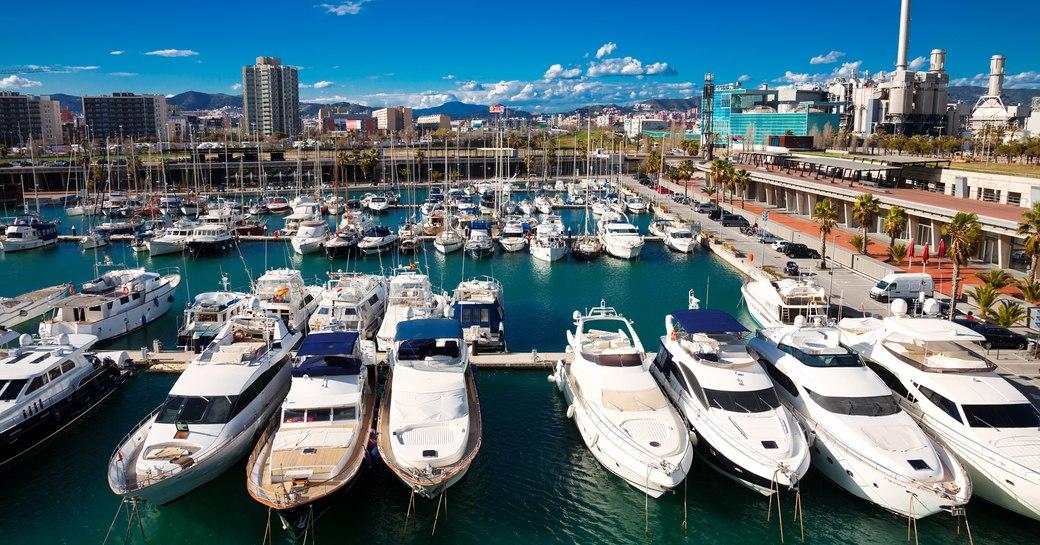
x: 533, y: 481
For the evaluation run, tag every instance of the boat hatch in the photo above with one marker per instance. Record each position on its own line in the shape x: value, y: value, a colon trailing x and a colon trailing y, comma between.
x: 429, y: 453
x: 919, y: 465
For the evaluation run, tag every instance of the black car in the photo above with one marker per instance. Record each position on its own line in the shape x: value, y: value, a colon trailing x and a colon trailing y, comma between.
x: 734, y: 220
x: 996, y: 336
x: 791, y: 269
x: 798, y: 250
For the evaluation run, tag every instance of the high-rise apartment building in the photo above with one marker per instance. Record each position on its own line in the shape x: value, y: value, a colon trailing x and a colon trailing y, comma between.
x: 125, y: 115
x: 394, y: 119
x: 23, y: 116
x: 271, y: 98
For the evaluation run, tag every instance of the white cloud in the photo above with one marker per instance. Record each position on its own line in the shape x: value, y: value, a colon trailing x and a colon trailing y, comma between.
x: 344, y: 8
x: 791, y: 77
x: 118, y: 52
x: 449, y: 77
x: 323, y: 84
x: 173, y: 53
x: 848, y: 69
x: 556, y: 71
x: 833, y: 56
x: 627, y: 66
x: 236, y: 87
x: 605, y: 49
x: 917, y: 63
x: 18, y: 82
x: 123, y: 74
x: 744, y: 78
x: 1028, y: 80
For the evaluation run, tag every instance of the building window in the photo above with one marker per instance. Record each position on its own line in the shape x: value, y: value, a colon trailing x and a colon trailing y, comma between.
x: 1014, y: 198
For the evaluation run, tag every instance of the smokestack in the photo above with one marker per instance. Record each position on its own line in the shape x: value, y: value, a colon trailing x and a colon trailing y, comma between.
x: 938, y: 60
x: 904, y: 36
x: 996, y: 75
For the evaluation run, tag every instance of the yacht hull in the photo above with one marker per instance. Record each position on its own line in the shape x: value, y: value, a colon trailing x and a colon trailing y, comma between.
x: 155, y: 304
x: 158, y: 247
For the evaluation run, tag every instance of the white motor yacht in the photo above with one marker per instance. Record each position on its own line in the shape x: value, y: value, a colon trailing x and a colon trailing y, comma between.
x: 95, y: 239
x: 310, y: 237
x: 680, y: 238
x: 378, y: 204
x: 636, y: 205
x: 625, y: 420
x: 210, y: 239
x: 28, y: 231
x: 172, y: 240
x: 351, y: 302
x: 411, y: 297
x: 861, y: 440
x: 479, y: 306
x: 114, y: 304
x: 619, y: 237
x: 527, y: 207
x: 283, y: 293
x: 775, y: 303
x: 513, y: 237
x: 214, y: 411
x: 600, y: 207
x: 957, y: 396
x: 548, y: 243
x: 317, y: 442
x: 448, y: 241
x: 377, y: 240
x: 543, y: 204
x: 741, y: 429
x: 206, y: 316
x: 480, y: 243
x: 46, y: 385
x: 429, y: 419
x: 32, y: 305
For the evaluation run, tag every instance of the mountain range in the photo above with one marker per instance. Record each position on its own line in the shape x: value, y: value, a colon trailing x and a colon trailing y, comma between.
x: 199, y: 101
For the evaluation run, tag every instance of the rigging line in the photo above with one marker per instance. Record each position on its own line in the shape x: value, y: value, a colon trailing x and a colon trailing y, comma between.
x: 116, y: 517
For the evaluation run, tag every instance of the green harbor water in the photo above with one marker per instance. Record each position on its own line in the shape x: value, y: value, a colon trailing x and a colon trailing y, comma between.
x: 533, y: 481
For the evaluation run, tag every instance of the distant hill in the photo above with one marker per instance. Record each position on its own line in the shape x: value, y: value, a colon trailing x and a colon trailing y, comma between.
x: 971, y: 93
x: 194, y: 100
x: 673, y: 103
x: 457, y: 110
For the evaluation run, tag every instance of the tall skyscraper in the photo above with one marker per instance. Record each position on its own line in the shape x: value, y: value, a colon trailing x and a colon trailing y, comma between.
x: 271, y: 98
x: 125, y: 114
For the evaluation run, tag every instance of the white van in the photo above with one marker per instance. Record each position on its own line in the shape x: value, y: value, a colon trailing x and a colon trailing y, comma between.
x: 903, y: 286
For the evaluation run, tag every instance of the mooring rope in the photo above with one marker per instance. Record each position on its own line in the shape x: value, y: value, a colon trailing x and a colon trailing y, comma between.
x: 911, y: 521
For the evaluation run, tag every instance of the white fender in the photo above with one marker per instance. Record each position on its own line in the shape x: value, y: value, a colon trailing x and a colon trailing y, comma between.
x: 570, y: 411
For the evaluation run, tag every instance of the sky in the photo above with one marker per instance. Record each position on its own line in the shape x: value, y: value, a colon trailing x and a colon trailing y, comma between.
x: 535, y: 55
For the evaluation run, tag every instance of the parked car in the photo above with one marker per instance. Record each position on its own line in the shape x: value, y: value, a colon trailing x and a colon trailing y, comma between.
x: 704, y: 207
x: 767, y: 237
x: 791, y: 269
x: 798, y: 250
x: 715, y: 214
x: 996, y: 336
x: 734, y: 220
x: 780, y: 245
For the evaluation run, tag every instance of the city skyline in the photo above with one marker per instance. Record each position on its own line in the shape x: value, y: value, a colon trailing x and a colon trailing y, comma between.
x: 546, y: 57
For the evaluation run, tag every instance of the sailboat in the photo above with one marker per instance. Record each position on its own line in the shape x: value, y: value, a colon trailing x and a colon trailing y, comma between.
x: 586, y: 245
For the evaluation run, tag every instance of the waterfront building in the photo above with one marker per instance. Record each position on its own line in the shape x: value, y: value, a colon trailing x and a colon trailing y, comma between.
x: 753, y: 115
x: 22, y: 116
x: 393, y: 119
x: 339, y: 120
x: 433, y: 122
x: 636, y: 126
x: 270, y: 98
x: 125, y: 114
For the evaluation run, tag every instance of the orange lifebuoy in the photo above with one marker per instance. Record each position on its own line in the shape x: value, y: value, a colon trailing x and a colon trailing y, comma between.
x: 673, y: 334
x: 72, y: 289
x: 239, y: 335
x: 126, y: 290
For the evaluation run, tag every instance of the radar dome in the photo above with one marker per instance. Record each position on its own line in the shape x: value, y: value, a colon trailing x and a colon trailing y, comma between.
x: 931, y: 307
x: 898, y: 307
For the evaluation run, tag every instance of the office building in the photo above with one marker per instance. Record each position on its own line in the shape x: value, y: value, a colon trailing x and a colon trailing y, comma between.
x: 432, y: 122
x: 339, y: 121
x: 23, y: 116
x: 751, y: 116
x: 125, y: 114
x: 393, y: 119
x: 270, y: 98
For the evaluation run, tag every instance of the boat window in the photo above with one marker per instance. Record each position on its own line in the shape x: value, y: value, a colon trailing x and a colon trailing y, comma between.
x: 206, y: 317
x: 9, y: 389
x: 937, y: 399
x: 889, y: 379
x: 95, y: 308
x: 291, y: 416
x: 254, y: 389
x: 54, y: 373
x: 196, y: 410
x: 845, y: 359
x: 857, y: 406
x: 36, y: 383
x: 780, y: 377
x: 67, y: 366
x: 756, y: 401
x: 1014, y: 415
x: 344, y: 414
x: 420, y: 349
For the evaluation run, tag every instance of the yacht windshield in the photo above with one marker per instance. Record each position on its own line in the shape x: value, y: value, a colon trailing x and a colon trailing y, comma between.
x: 1017, y: 415
x: 9, y: 389
x: 196, y: 410
x: 857, y: 406
x: 756, y: 401
x: 843, y: 359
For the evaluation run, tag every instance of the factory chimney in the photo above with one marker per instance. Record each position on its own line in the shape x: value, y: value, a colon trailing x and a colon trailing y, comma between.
x: 904, y: 35
x: 938, y: 61
x: 996, y: 75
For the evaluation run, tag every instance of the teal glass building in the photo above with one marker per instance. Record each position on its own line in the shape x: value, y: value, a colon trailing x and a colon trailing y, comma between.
x: 759, y: 113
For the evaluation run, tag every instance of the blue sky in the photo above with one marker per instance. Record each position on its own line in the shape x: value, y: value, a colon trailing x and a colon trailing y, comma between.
x: 538, y: 55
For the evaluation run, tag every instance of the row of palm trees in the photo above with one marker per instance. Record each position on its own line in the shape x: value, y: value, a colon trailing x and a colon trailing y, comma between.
x: 725, y: 177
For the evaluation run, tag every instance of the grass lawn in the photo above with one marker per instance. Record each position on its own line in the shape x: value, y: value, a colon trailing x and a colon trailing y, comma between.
x: 1032, y: 171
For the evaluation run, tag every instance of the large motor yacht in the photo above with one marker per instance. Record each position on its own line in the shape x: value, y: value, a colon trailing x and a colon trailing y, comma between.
x: 214, y: 411
x: 317, y: 442
x: 619, y: 237
x: 548, y: 243
x: 206, y: 316
x: 411, y: 297
x: 479, y: 306
x: 957, y: 396
x: 28, y: 231
x: 621, y: 413
x: 283, y: 293
x: 429, y: 419
x: 32, y: 305
x: 351, y: 302
x: 310, y: 236
x: 47, y: 384
x: 378, y: 239
x: 480, y: 243
x: 513, y: 236
x: 172, y: 240
x: 741, y: 429
x: 211, y: 239
x: 115, y: 303
x: 775, y: 303
x: 861, y: 440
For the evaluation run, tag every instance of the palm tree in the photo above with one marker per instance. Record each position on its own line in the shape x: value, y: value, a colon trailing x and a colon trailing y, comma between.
x: 741, y: 179
x: 827, y: 217
x: 720, y: 172
x: 1007, y: 314
x: 895, y: 223
x: 985, y: 297
x: 997, y: 278
x: 965, y: 234
x: 420, y: 155
x: 342, y: 160
x: 864, y: 210
x: 1030, y: 227
x: 653, y: 162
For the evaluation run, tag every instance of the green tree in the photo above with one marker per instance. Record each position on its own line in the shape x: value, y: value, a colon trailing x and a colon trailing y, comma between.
x: 720, y: 172
x: 1030, y: 228
x: 965, y: 234
x: 1007, y: 315
x: 420, y: 156
x: 1030, y: 291
x: 827, y: 218
x: 864, y: 210
x: 895, y: 223
x: 342, y: 160
x: 997, y: 278
x: 985, y: 297
x: 897, y: 253
x: 740, y: 180
x: 652, y: 164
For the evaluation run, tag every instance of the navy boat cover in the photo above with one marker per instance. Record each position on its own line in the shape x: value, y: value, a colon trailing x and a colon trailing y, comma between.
x: 328, y: 343
x: 428, y: 328
x: 707, y: 321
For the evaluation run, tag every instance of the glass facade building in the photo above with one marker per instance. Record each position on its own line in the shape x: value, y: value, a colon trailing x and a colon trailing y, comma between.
x: 759, y: 113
